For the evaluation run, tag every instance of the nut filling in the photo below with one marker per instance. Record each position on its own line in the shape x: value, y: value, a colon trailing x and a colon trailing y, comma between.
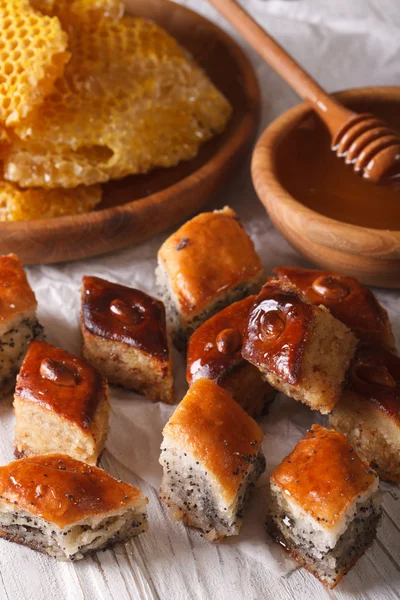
x: 130, y: 315
x: 375, y: 375
x: 59, y: 373
x: 229, y: 341
x: 272, y: 325
x: 330, y: 288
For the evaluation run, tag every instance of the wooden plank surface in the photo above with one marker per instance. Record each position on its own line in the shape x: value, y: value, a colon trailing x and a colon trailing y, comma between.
x: 171, y: 562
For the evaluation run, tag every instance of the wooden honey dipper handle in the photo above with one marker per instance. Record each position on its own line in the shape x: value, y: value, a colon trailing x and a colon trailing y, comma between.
x: 331, y: 112
x: 363, y: 141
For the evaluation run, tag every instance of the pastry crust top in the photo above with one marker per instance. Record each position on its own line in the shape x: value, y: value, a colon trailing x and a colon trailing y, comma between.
x: 207, y: 256
x: 348, y: 301
x: 278, y: 329
x: 214, y: 349
x: 375, y: 376
x: 323, y: 475
x: 218, y: 432
x: 62, y: 383
x: 125, y: 315
x: 62, y: 490
x: 16, y: 295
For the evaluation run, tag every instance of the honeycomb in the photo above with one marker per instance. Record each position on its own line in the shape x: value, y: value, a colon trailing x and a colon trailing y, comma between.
x: 24, y: 205
x: 130, y: 100
x: 74, y: 12
x: 32, y: 56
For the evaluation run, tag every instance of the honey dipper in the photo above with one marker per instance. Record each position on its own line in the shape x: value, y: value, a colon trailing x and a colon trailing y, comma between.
x: 362, y: 139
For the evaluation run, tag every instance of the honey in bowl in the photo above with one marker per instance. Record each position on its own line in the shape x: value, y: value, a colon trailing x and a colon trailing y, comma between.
x: 313, y: 175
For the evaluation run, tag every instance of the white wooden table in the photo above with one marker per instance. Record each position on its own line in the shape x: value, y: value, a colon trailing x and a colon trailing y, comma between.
x: 170, y: 562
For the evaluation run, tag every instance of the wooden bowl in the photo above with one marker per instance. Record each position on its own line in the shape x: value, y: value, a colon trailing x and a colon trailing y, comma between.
x: 371, y: 255
x: 139, y: 207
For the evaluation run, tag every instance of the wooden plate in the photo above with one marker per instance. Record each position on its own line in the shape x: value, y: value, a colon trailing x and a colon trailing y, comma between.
x: 370, y: 255
x: 138, y: 207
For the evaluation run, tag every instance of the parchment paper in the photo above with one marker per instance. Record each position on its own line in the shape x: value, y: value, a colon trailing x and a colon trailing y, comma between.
x: 344, y: 45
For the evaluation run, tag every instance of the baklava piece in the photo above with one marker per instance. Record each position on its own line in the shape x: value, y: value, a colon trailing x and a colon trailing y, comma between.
x: 206, y: 265
x: 325, y: 505
x: 64, y: 508
x: 18, y: 322
x: 214, y: 352
x: 347, y: 300
x: 369, y: 410
x: 61, y: 405
x: 302, y: 349
x: 211, y: 457
x: 125, y: 337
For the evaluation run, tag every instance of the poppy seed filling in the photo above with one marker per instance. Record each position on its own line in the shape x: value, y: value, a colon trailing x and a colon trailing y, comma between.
x: 327, y: 558
x: 13, y: 345
x: 195, y: 496
x: 71, y: 542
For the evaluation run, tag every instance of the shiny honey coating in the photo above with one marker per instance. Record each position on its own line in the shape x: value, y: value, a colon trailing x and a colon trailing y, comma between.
x: 33, y: 53
x: 45, y: 6
x: 62, y: 490
x: 18, y: 204
x: 4, y: 141
x: 61, y: 382
x: 76, y: 12
x: 126, y: 315
x: 131, y: 99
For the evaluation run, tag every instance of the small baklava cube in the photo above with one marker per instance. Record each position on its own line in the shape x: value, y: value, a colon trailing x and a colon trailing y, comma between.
x: 369, y: 410
x: 125, y: 337
x: 61, y: 404
x: 214, y: 352
x: 325, y: 505
x: 302, y: 349
x: 347, y: 300
x: 65, y: 508
x: 211, y: 457
x: 18, y: 322
x: 207, y: 264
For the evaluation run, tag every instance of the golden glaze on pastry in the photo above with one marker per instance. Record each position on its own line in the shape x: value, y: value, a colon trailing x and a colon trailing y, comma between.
x: 62, y: 490
x: 61, y: 382
x: 347, y: 300
x: 125, y: 315
x: 300, y: 348
x: 124, y: 336
x: 214, y: 352
x: 214, y: 349
x: 278, y: 329
x: 218, y: 432
x: 375, y: 375
x: 16, y: 295
x: 207, y: 256
x: 324, y: 505
x: 314, y: 478
x: 369, y: 411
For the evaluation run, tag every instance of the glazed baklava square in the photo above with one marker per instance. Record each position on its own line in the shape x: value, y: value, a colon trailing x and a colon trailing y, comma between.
x: 18, y: 322
x: 211, y: 457
x: 348, y: 301
x: 61, y: 404
x: 215, y: 352
x: 301, y: 348
x: 65, y: 508
x: 206, y: 265
x: 125, y: 337
x: 369, y: 410
x: 325, y: 505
